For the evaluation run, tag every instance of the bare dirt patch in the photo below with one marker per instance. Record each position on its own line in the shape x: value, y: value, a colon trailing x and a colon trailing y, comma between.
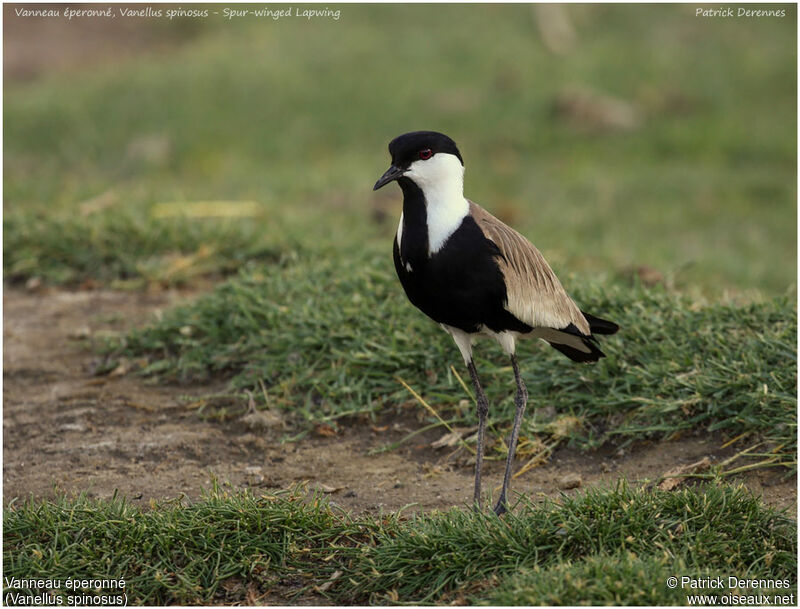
x: 65, y: 429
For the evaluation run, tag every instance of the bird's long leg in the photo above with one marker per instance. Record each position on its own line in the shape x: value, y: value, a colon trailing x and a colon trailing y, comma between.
x: 483, y: 410
x: 520, y: 400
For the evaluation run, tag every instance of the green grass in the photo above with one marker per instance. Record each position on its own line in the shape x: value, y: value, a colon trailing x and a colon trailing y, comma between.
x: 174, y: 553
x: 622, y: 578
x: 332, y: 336
x: 128, y: 249
x: 296, y: 115
x: 457, y: 551
x: 614, y: 545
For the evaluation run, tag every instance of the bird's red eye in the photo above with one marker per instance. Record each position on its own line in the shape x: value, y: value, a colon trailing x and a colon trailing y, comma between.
x: 425, y: 154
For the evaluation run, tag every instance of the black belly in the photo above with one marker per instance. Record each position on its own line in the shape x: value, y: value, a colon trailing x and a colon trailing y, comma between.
x: 461, y: 284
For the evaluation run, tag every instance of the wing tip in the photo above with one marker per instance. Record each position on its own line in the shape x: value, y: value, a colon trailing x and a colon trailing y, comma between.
x: 577, y: 355
x: 598, y: 325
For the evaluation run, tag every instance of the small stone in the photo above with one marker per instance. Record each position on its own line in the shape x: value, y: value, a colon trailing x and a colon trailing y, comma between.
x: 79, y: 333
x: 568, y: 481
x: 72, y: 427
x: 259, y: 420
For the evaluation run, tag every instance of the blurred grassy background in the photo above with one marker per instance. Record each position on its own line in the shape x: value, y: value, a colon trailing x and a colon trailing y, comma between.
x: 653, y: 138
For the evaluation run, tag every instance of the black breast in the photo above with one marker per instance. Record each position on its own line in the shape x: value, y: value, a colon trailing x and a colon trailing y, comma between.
x: 461, y: 284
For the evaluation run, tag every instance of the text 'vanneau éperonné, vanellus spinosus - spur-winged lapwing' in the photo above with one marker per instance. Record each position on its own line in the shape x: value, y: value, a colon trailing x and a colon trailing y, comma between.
x: 474, y: 275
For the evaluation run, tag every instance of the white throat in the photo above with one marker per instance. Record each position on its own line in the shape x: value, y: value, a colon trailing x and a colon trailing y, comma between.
x: 441, y: 179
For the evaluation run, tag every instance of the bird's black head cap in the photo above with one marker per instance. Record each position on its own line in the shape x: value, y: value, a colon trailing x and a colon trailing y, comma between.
x: 406, y: 148
x: 415, y: 146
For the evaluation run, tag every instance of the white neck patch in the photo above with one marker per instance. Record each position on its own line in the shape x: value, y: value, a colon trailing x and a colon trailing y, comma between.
x: 441, y: 179
x: 400, y: 232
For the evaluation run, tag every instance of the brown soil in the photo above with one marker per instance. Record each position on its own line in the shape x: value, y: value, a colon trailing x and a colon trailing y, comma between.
x: 69, y: 430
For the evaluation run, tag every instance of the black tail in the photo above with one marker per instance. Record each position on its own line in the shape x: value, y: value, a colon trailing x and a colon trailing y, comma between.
x: 577, y: 346
x: 600, y: 326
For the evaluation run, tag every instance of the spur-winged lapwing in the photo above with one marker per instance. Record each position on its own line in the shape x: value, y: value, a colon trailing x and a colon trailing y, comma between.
x: 474, y: 275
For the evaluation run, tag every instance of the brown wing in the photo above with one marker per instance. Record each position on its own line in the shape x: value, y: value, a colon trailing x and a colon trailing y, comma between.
x: 535, y: 295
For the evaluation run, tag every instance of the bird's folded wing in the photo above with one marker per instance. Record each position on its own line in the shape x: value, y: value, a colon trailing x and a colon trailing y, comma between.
x: 534, y: 293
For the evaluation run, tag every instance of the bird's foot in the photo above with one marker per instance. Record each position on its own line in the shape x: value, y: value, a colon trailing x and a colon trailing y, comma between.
x: 500, y: 508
